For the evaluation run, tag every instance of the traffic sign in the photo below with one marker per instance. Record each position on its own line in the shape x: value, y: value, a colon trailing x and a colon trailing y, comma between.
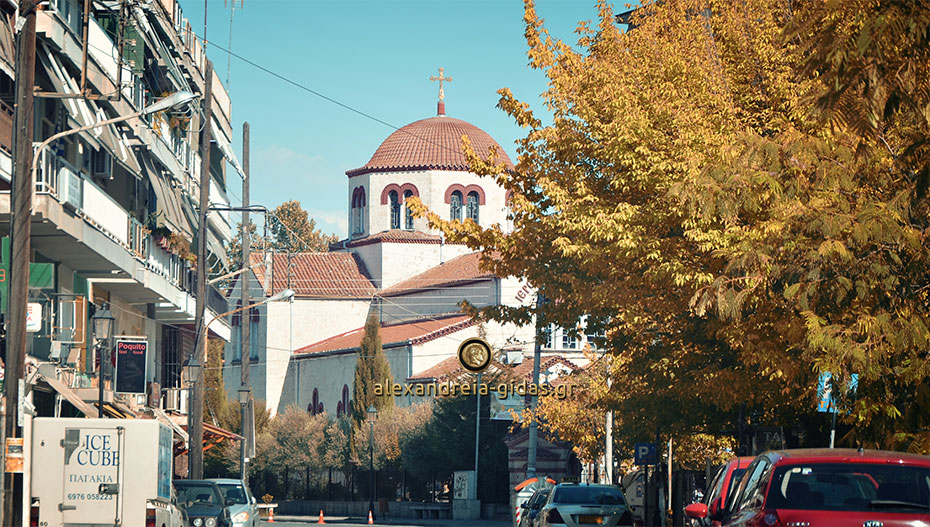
x: 645, y: 454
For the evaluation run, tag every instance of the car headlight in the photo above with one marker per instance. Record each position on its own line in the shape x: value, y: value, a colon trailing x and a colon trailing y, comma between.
x: 242, y: 517
x: 211, y: 522
x: 198, y: 522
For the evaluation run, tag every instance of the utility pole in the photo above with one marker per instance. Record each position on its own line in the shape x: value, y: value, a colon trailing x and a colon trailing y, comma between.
x: 245, y: 342
x: 20, y: 232
x: 195, y: 428
x: 537, y: 352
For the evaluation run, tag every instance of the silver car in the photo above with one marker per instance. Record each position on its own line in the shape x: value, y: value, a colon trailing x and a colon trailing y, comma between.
x: 585, y: 505
x: 239, y: 500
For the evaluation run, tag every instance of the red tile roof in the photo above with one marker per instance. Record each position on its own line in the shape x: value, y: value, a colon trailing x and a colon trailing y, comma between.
x: 430, y: 144
x: 464, y: 268
x: 413, y: 332
x: 390, y: 236
x: 318, y: 275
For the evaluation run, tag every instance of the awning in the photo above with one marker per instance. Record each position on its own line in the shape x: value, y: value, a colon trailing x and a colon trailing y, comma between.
x: 168, y: 200
x: 212, y: 436
x: 216, y: 246
x: 118, y: 411
x: 85, y: 113
x: 225, y: 147
x: 7, y: 46
x: 73, y: 398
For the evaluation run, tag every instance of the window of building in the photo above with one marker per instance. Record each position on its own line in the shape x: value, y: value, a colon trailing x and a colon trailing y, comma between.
x: 569, y: 340
x: 471, y: 206
x: 314, y: 403
x: 394, y: 203
x: 408, y: 214
x: 358, y: 210
x: 455, y: 208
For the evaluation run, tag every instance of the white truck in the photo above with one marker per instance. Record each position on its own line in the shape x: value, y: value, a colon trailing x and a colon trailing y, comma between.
x: 102, y: 472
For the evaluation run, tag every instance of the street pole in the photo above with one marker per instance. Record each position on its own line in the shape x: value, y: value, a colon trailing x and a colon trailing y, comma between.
x: 371, y: 469
x: 537, y: 352
x: 477, y: 431
x: 245, y: 342
x: 195, y: 425
x: 20, y: 233
x: 609, y: 432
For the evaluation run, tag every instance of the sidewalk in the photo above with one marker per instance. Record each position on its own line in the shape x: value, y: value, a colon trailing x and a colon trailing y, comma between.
x: 392, y: 521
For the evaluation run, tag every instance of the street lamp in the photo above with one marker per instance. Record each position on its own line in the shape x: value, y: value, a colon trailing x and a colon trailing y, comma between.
x: 372, y: 414
x: 103, y: 330
x: 195, y: 414
x: 172, y: 101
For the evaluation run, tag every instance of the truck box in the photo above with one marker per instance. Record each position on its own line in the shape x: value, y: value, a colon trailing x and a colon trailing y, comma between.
x: 96, y: 472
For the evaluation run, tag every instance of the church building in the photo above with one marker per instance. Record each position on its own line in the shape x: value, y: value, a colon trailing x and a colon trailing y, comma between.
x: 304, y: 352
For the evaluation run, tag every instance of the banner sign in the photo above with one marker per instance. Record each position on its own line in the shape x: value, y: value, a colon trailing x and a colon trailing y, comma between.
x: 131, y: 366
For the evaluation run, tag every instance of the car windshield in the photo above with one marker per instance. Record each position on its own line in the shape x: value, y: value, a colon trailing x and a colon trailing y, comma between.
x: 233, y: 491
x: 850, y: 487
x: 588, y: 496
x: 193, y: 493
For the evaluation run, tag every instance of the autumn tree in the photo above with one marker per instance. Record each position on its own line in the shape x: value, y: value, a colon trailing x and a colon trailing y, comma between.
x: 292, y: 230
x: 690, y: 199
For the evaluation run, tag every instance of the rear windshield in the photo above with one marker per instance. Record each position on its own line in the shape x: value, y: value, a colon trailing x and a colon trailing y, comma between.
x: 850, y: 487
x: 588, y: 496
x: 192, y: 492
x: 235, y: 492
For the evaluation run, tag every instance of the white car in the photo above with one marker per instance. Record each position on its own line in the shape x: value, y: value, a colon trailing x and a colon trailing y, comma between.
x: 242, y: 506
x: 585, y: 505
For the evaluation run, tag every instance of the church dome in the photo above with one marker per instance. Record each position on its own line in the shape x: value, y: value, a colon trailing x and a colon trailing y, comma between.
x: 430, y: 144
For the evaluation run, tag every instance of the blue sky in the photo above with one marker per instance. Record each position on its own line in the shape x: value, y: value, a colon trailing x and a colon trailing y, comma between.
x: 375, y: 56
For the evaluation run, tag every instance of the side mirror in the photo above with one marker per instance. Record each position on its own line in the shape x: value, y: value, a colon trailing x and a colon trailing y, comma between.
x: 524, y: 506
x: 696, y: 510
x: 254, y: 501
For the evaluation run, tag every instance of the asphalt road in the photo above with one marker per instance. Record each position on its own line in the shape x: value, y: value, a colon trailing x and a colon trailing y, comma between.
x: 355, y: 522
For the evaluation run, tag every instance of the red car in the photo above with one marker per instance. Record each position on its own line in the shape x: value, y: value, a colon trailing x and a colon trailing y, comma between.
x: 833, y: 487
x: 722, y: 486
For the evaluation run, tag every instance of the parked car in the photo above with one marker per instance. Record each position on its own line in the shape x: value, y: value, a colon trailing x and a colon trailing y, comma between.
x: 581, y: 504
x: 532, y: 506
x: 203, y: 502
x: 833, y: 487
x: 242, y: 505
x: 710, y: 510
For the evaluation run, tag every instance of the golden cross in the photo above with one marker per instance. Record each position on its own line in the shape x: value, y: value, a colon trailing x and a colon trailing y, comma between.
x: 440, y: 78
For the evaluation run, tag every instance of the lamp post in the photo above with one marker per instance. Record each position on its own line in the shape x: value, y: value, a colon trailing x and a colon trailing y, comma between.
x: 103, y: 329
x: 194, y: 414
x: 372, y: 414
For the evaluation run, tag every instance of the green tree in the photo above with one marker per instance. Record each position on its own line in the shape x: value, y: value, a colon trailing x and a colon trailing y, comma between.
x: 371, y: 368
x: 292, y: 230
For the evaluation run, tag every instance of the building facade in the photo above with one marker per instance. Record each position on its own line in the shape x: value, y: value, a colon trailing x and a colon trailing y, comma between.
x: 115, y: 207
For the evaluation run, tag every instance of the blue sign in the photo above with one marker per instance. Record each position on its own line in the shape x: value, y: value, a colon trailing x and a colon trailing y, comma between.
x: 825, y: 400
x: 645, y: 454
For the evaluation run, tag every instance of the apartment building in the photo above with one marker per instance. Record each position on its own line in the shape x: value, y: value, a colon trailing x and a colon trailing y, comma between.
x: 116, y: 207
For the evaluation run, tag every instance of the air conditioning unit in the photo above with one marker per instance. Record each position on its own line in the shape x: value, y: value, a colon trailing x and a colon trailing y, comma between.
x: 172, y: 399
x: 102, y: 164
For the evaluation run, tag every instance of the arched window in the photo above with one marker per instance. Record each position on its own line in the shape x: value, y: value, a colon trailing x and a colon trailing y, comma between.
x: 408, y: 215
x: 314, y: 403
x: 455, y: 207
x: 394, y: 203
x: 358, y: 210
x: 471, y: 206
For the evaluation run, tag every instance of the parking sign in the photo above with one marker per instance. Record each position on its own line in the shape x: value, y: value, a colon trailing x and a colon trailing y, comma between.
x: 645, y: 454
